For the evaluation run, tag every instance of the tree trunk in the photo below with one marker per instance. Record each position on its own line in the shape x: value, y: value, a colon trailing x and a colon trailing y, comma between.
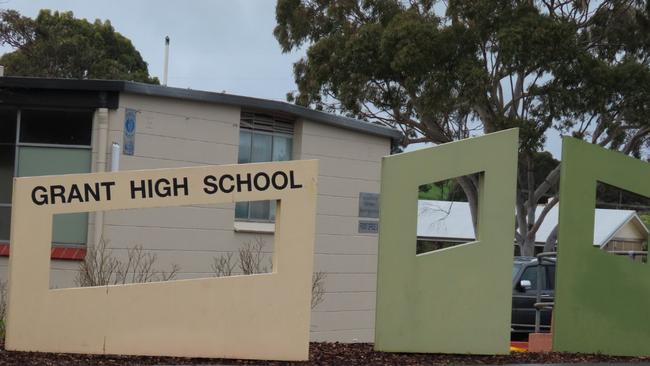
x: 528, y: 248
x: 524, y: 212
x: 471, y: 191
x: 550, y: 244
x: 527, y: 221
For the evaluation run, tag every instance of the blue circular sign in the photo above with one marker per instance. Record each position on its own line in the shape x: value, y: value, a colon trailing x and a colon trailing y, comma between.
x: 129, y: 125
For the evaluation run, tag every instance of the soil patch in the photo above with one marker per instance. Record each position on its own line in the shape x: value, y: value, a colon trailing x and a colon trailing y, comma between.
x: 319, y: 354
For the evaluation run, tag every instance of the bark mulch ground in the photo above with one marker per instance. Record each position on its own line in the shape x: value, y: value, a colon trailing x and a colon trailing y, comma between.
x: 320, y: 354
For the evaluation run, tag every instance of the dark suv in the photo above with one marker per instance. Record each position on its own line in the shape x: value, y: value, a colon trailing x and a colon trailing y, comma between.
x: 524, y: 291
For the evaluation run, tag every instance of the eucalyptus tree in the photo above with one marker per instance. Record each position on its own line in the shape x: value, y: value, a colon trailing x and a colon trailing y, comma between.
x: 447, y: 70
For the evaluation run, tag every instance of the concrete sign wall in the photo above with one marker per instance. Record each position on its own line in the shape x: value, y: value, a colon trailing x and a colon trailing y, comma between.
x: 602, y: 301
x: 264, y: 316
x: 458, y: 299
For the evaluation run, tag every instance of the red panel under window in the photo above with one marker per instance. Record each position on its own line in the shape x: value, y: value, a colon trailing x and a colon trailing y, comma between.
x: 74, y: 253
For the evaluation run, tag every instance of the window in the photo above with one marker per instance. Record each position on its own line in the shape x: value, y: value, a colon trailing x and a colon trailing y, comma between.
x: 515, y: 270
x: 530, y: 274
x: 262, y: 138
x: 44, y: 142
x: 548, y: 277
x: 8, y: 121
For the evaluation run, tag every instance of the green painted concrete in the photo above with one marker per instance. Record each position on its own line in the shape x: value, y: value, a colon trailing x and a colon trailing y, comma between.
x: 602, y: 300
x: 458, y: 299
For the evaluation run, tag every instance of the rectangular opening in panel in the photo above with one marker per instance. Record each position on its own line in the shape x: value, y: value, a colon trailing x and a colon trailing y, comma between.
x: 446, y: 215
x: 157, y: 244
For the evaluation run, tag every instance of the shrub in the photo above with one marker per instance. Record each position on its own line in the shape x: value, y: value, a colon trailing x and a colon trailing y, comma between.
x: 101, y: 268
x: 250, y: 261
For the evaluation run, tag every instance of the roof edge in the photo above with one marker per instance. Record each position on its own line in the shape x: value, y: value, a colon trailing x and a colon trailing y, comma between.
x: 200, y: 96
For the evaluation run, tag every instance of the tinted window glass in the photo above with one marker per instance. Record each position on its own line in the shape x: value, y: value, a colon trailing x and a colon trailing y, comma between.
x: 34, y: 161
x: 273, y: 205
x: 7, y: 156
x: 281, y: 148
x: 259, y: 210
x: 550, y: 275
x: 7, y: 126
x: 70, y: 228
x: 5, y: 221
x: 56, y: 127
x: 262, y: 148
x: 241, y: 210
x: 256, y: 147
x: 244, y: 147
x: 530, y: 274
x: 515, y: 270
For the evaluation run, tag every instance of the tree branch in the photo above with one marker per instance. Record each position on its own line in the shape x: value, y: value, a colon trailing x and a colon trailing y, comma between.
x: 636, y: 140
x: 542, y: 215
x: 549, y: 244
x: 472, y: 199
x: 551, y: 179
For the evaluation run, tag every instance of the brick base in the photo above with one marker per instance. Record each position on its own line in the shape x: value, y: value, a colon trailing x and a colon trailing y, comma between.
x: 540, y: 342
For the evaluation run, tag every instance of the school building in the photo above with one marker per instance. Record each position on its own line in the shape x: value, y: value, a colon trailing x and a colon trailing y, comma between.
x: 56, y: 126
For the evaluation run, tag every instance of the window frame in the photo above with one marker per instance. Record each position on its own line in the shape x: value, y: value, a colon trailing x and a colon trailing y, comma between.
x: 253, y: 131
x: 15, y: 167
x: 17, y: 144
x: 547, y: 284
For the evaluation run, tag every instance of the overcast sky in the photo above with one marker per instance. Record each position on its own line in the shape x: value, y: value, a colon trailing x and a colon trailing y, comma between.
x: 216, y: 45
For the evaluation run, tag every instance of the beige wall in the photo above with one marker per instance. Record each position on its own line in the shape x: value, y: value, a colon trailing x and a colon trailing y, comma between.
x: 266, y: 316
x: 349, y: 164
x: 631, y: 236
x: 632, y: 230
x: 624, y: 245
x: 172, y: 133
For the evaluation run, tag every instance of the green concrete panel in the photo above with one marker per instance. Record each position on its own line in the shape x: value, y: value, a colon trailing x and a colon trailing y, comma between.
x: 602, y: 300
x: 458, y: 299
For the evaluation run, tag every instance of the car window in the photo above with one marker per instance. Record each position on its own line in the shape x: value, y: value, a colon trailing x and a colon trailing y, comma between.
x: 515, y: 270
x: 550, y: 276
x: 530, y: 274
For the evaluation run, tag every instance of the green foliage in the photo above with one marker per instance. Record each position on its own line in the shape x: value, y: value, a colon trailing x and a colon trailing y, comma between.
x: 431, y: 192
x: 441, y: 69
x: 646, y: 219
x: 60, y: 45
x: 447, y: 70
x: 543, y: 163
x: 447, y: 190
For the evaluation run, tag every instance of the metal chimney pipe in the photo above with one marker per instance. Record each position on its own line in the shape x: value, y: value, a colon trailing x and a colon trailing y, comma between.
x: 166, y: 61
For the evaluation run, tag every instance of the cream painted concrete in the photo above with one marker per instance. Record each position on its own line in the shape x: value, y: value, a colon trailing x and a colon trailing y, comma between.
x: 173, y: 133
x: 216, y: 317
x: 62, y: 272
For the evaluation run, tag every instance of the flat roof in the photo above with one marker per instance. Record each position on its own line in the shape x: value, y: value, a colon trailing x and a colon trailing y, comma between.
x: 257, y: 104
